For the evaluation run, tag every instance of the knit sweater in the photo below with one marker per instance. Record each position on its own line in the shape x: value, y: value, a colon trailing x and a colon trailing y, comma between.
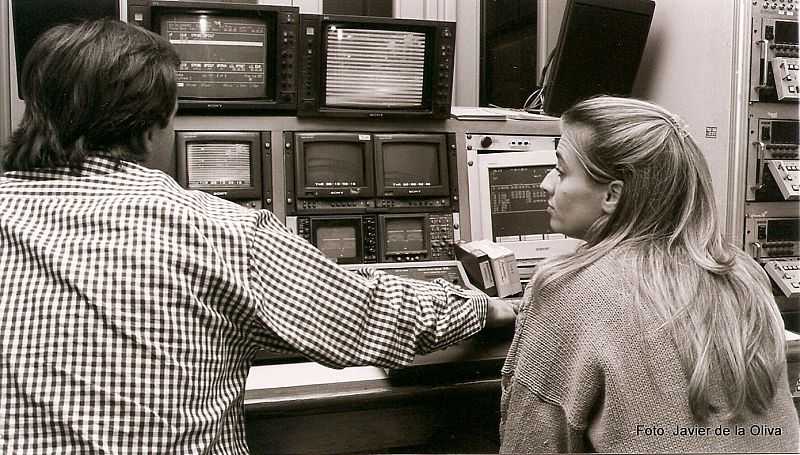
x: 584, y: 373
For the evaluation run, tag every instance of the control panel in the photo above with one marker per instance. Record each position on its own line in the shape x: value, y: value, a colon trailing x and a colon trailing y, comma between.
x: 786, y: 274
x: 786, y: 174
x: 786, y: 74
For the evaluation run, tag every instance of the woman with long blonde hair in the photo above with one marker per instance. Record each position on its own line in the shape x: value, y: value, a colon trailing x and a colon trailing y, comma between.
x: 657, y: 334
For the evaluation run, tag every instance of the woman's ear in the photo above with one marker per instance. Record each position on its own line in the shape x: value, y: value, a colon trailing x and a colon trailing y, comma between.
x: 612, y: 196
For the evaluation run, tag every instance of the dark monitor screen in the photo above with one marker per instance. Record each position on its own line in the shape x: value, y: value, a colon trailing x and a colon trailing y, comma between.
x: 218, y: 164
x: 518, y: 204
x: 786, y: 32
x: 334, y: 164
x: 222, y: 57
x: 404, y: 235
x: 784, y: 132
x: 784, y: 230
x: 598, y: 51
x: 381, y: 68
x: 32, y: 17
x: 409, y: 165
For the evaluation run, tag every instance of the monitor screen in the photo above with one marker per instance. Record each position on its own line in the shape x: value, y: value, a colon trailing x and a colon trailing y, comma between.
x: 404, y: 235
x: 337, y: 241
x: 334, y: 164
x: 518, y: 204
x: 411, y: 165
x: 784, y: 230
x: 218, y: 164
x: 222, y: 57
x: 381, y: 68
x: 784, y: 132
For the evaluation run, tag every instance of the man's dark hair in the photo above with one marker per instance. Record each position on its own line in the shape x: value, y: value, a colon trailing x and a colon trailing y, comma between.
x: 92, y: 88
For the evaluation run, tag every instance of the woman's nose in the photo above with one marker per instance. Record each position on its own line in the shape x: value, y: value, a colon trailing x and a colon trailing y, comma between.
x: 547, y: 182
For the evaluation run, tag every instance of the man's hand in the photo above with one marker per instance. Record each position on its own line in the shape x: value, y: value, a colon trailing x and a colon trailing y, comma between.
x: 501, y: 312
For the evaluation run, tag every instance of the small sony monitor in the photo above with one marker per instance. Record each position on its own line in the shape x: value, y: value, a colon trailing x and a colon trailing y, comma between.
x: 358, y: 66
x: 411, y: 165
x: 404, y: 237
x: 334, y: 165
x: 224, y: 163
x: 329, y: 172
x: 598, y: 51
x: 234, y: 56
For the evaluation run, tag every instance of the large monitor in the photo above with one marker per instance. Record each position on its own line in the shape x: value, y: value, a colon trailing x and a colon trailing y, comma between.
x: 374, y: 67
x: 598, y: 51
x: 234, y: 57
x: 511, y: 207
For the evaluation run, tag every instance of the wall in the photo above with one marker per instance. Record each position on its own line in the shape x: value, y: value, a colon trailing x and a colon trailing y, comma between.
x: 688, y: 67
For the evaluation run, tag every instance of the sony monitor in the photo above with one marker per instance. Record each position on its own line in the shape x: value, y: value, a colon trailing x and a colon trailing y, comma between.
x: 375, y: 67
x: 412, y: 165
x: 223, y: 163
x: 234, y: 57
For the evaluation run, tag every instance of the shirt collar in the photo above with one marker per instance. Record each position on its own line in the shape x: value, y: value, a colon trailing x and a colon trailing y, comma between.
x: 92, y: 166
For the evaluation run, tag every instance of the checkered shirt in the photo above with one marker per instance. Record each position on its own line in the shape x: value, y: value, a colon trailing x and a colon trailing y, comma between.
x: 130, y: 310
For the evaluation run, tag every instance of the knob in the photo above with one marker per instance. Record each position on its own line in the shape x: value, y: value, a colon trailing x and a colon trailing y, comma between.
x: 486, y: 141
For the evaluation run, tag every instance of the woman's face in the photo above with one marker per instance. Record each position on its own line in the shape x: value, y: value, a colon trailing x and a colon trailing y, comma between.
x: 574, y: 201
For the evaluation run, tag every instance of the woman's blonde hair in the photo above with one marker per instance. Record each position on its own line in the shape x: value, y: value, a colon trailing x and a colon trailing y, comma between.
x: 714, y: 299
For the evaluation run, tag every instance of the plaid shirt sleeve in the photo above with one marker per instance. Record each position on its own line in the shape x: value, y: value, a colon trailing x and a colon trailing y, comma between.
x: 341, y: 318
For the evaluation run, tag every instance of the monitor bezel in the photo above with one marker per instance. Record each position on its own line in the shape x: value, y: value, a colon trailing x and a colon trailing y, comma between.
x: 381, y: 188
x: 387, y: 256
x: 184, y: 138
x: 304, y: 191
x: 275, y: 98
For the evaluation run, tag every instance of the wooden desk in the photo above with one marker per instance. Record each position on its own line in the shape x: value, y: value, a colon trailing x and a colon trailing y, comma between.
x: 365, y: 409
x: 447, y: 401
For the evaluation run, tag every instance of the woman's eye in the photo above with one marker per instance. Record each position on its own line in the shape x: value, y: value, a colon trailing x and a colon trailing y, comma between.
x: 558, y: 171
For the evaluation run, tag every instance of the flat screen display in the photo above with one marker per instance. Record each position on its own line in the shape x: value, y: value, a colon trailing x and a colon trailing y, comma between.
x: 374, y: 68
x: 405, y: 235
x: 218, y: 164
x: 411, y: 165
x: 518, y: 204
x: 221, y: 57
x: 337, y: 241
x: 334, y: 164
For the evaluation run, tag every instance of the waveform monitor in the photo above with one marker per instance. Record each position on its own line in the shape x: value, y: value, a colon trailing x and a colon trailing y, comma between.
x: 512, y: 207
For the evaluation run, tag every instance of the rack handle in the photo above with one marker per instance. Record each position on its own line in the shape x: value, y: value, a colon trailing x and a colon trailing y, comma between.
x: 760, y: 147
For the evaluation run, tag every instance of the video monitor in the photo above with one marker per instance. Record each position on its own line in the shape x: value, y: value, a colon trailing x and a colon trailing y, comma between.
x: 369, y: 66
x: 223, y: 163
x: 411, y: 165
